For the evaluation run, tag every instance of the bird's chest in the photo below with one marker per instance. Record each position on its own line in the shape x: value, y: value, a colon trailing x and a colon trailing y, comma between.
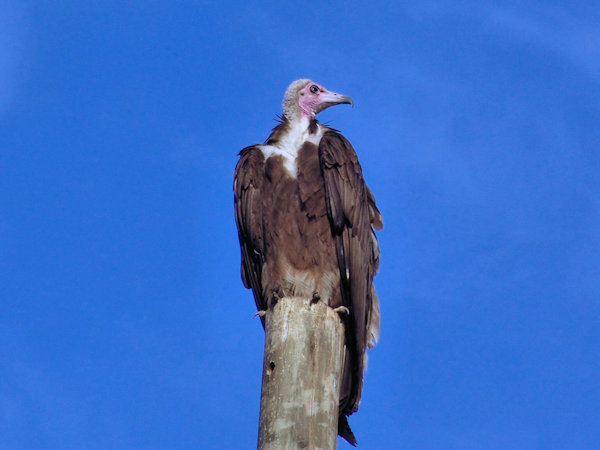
x: 300, y: 190
x: 294, y: 149
x: 296, y: 224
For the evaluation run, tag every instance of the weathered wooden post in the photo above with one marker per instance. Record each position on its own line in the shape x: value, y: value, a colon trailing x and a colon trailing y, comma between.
x: 304, y: 348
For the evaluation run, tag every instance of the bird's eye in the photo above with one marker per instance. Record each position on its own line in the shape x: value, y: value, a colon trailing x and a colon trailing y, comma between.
x: 314, y: 89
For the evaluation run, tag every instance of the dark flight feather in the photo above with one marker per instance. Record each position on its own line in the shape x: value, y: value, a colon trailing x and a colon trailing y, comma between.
x: 353, y: 213
x: 249, y: 176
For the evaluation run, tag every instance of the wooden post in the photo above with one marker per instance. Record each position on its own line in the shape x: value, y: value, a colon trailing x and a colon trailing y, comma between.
x: 304, y: 348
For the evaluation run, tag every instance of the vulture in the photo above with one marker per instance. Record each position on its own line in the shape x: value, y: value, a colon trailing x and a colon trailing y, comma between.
x: 306, y: 221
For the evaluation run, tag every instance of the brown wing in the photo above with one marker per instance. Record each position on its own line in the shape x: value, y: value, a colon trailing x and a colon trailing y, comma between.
x: 247, y: 184
x: 353, y: 214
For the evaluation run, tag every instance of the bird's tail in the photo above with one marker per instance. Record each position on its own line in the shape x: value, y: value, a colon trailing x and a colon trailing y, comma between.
x: 345, y: 432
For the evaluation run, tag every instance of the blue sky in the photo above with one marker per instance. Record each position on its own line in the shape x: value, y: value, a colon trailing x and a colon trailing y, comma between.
x: 123, y: 320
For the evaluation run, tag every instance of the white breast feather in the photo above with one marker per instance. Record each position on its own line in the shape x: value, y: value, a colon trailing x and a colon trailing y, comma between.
x: 291, y: 142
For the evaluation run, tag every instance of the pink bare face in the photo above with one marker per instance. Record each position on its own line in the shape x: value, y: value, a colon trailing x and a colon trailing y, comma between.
x: 314, y: 98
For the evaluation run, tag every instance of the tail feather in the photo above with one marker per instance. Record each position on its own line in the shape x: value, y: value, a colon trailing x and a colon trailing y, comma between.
x: 345, y: 432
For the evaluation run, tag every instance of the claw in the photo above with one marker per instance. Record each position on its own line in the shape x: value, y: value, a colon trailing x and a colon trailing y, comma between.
x: 274, y: 298
x: 315, y: 297
x: 259, y: 313
x: 341, y: 309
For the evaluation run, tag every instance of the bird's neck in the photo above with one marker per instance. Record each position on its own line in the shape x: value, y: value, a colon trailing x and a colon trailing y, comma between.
x: 287, y: 139
x: 300, y: 122
x: 299, y: 130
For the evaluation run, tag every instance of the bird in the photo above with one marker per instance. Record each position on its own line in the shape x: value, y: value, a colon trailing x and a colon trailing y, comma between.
x: 306, y: 224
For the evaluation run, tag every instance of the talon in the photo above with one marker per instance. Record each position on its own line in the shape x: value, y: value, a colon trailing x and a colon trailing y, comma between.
x: 341, y: 309
x: 259, y: 313
x: 315, y: 297
x: 274, y: 298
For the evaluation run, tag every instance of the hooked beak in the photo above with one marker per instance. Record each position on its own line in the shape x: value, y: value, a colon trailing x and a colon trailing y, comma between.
x: 328, y: 99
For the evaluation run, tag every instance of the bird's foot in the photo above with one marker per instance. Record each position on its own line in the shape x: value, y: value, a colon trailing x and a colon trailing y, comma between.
x: 275, y: 296
x: 261, y: 313
x: 315, y: 297
x: 341, y: 309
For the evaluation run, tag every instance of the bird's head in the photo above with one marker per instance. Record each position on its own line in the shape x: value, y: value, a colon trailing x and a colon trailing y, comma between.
x: 305, y: 98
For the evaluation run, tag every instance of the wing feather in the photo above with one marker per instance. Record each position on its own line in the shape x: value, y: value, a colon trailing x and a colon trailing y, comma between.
x: 353, y: 214
x: 247, y: 185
